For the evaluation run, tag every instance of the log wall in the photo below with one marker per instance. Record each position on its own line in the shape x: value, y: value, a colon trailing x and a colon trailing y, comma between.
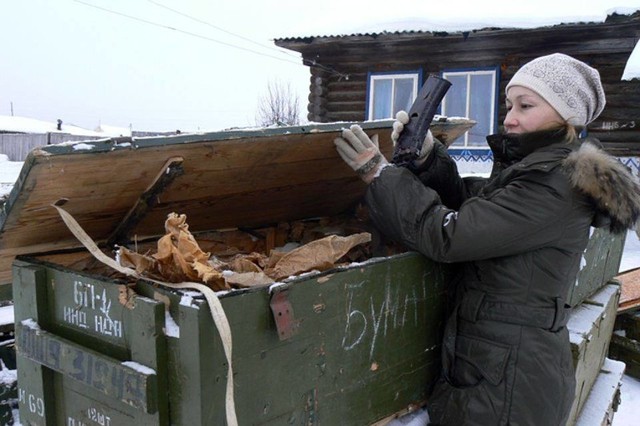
x: 339, y: 66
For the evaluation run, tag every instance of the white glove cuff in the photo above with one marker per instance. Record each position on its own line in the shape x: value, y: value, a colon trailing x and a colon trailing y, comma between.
x: 427, y: 146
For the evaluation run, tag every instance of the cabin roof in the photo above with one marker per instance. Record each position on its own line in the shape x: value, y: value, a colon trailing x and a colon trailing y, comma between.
x: 427, y: 27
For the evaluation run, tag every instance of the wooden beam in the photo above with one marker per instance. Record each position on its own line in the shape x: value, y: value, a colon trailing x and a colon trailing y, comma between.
x: 149, y: 198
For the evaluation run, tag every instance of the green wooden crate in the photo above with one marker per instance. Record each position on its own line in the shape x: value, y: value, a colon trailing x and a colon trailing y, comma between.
x: 602, y: 404
x: 365, y: 345
x: 590, y: 327
x: 361, y: 345
x: 601, y: 261
x: 362, y: 342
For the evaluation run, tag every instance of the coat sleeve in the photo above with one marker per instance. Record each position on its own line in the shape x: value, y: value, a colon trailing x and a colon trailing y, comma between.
x: 440, y: 173
x: 524, y: 215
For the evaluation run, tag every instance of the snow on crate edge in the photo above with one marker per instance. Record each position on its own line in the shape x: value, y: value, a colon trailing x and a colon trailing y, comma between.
x: 30, y: 322
x: 139, y: 367
x: 601, y: 397
x: 586, y: 314
x: 171, y: 327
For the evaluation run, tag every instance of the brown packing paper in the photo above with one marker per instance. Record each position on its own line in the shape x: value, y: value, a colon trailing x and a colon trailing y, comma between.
x: 320, y: 254
x: 180, y: 258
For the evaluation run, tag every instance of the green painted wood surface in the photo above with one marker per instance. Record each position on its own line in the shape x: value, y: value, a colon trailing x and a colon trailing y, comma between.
x: 590, y: 327
x: 102, y: 373
x: 367, y: 346
x: 70, y: 372
x: 35, y: 398
x: 601, y: 261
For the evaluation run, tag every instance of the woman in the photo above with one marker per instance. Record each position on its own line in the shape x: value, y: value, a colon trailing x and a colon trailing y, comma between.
x: 521, y: 234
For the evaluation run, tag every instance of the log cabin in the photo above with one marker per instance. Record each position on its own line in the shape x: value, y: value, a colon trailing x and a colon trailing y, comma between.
x: 372, y: 75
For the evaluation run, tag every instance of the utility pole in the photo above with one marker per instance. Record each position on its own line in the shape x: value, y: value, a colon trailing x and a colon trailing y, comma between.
x: 12, y: 108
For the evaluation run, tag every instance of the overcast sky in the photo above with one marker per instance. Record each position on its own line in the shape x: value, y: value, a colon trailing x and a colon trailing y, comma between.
x: 117, y: 62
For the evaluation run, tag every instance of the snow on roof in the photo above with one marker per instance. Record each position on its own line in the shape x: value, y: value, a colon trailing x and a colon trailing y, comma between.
x: 460, y: 23
x: 113, y: 130
x: 32, y: 125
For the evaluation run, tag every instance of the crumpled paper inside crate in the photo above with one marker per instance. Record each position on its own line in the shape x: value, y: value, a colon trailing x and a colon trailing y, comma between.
x: 179, y: 258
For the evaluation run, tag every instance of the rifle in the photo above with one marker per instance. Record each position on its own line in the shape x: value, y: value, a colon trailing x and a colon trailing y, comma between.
x: 420, y: 115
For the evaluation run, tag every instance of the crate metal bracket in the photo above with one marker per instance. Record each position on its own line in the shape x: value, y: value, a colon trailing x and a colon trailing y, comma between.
x: 286, y: 324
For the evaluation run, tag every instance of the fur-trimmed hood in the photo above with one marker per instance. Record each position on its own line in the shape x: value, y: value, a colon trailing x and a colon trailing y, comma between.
x: 611, y: 186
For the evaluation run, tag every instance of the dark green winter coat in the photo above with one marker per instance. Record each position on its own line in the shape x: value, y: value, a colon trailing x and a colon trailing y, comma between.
x: 520, y: 236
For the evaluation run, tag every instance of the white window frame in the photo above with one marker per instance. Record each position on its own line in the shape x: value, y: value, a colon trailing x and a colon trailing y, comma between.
x: 373, y: 77
x: 468, y: 73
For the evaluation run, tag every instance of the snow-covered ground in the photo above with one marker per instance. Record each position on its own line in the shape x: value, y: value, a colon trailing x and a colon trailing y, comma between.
x: 628, y: 411
x: 9, y: 171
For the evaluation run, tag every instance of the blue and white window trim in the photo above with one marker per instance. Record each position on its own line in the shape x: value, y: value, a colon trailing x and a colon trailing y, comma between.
x: 480, y: 161
x: 472, y: 161
x: 633, y: 163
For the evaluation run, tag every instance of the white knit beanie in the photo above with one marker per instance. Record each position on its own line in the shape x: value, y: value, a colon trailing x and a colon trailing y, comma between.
x: 570, y: 86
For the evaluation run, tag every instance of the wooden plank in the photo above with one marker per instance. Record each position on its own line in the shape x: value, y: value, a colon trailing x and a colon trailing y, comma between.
x: 149, y: 198
x: 630, y: 284
x: 109, y: 376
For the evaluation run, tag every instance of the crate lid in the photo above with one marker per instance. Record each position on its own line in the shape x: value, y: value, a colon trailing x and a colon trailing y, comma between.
x: 235, y: 178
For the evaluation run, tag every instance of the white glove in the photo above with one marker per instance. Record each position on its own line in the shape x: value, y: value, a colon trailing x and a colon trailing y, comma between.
x: 402, y: 118
x: 360, y: 152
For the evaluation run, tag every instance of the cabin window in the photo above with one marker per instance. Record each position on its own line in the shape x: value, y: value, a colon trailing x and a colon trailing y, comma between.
x: 389, y: 93
x: 472, y: 94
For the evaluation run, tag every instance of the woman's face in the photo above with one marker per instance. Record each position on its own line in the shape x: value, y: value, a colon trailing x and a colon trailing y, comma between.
x: 528, y: 112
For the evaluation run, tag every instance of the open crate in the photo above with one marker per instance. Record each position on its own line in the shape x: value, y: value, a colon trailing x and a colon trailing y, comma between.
x: 351, y: 345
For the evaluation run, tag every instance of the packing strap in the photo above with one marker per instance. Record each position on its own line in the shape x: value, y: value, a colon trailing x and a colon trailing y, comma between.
x: 215, y: 307
x: 477, y: 305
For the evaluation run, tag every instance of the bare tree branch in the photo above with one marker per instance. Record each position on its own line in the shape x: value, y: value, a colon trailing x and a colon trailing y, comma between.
x: 279, y: 106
